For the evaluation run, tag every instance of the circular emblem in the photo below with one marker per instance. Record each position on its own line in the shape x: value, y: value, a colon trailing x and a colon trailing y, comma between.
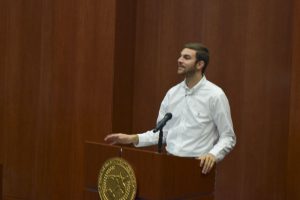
x: 116, y: 180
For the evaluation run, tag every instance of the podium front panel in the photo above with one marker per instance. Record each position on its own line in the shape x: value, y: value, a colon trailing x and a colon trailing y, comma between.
x: 159, y: 176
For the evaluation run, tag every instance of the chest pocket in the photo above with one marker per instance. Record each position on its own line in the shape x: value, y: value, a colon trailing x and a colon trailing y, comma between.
x: 201, y: 117
x: 198, y: 116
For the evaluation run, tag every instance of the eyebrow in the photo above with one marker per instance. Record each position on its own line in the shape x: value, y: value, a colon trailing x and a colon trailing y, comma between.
x: 186, y: 55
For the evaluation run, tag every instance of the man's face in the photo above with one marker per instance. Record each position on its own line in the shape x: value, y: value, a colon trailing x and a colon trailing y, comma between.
x: 187, y: 62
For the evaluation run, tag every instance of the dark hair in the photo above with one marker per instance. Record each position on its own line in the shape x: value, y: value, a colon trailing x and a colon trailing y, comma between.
x: 202, y: 53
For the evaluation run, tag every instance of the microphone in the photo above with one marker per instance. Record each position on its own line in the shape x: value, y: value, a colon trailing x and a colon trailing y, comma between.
x: 162, y: 122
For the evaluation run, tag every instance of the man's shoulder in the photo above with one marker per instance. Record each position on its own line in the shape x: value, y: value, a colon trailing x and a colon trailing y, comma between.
x: 175, y: 88
x: 214, y: 89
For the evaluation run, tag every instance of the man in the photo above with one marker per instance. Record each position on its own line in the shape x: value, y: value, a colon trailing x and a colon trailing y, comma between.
x: 201, y: 125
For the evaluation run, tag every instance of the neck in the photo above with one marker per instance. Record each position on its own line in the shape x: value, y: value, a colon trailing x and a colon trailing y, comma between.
x: 191, y: 81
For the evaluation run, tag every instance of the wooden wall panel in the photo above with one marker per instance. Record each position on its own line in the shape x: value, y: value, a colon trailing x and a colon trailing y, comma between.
x: 266, y: 100
x: 293, y: 173
x: 21, y: 71
x: 59, y: 152
x: 3, y: 33
x: 94, y: 81
x: 57, y: 66
x: 123, y: 66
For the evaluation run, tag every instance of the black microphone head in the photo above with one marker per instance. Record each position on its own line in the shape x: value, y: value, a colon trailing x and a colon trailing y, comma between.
x: 162, y: 122
x: 168, y: 116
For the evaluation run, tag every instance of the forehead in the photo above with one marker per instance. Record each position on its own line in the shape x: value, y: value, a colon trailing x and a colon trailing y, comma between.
x: 187, y: 51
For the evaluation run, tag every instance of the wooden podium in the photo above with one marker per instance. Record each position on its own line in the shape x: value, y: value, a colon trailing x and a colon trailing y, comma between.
x: 159, y: 176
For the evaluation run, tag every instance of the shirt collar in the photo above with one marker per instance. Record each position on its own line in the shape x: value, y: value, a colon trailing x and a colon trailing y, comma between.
x: 196, y: 87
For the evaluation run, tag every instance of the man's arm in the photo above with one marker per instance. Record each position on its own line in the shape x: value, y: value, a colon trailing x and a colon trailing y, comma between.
x: 220, y: 112
x: 121, y: 138
x: 139, y: 140
x: 222, y: 119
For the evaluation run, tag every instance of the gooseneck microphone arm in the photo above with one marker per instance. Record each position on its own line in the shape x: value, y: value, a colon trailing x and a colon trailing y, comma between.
x: 159, y: 128
x: 160, y: 139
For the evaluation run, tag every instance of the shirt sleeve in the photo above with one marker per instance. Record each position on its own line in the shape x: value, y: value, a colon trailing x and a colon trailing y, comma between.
x: 220, y: 111
x: 149, y: 138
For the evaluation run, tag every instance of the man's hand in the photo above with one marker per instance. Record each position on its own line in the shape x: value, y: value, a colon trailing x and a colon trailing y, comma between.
x: 207, y: 162
x: 121, y: 138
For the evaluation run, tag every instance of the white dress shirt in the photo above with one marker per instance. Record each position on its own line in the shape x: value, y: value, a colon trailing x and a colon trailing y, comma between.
x: 201, y: 121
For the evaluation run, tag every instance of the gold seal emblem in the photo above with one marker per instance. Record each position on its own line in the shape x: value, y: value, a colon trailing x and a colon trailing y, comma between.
x: 117, y: 180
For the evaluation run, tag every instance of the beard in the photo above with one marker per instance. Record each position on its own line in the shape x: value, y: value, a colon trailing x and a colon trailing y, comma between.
x: 188, y: 71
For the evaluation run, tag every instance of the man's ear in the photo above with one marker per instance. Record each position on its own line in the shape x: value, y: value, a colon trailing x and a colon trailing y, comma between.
x: 200, y: 64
